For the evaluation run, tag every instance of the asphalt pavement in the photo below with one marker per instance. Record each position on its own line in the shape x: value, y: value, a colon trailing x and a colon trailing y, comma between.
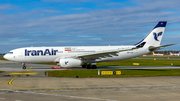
x: 34, y: 84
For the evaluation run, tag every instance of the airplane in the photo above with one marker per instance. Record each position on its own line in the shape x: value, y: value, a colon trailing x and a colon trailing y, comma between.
x: 175, y: 54
x: 88, y: 56
x: 157, y: 54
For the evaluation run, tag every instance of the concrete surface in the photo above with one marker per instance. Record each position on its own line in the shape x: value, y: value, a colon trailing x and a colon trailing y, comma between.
x: 40, y: 87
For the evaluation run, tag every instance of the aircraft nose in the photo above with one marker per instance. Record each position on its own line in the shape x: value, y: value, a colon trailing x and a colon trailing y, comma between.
x: 5, y: 56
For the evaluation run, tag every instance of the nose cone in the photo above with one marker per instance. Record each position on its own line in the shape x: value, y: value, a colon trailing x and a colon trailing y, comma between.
x: 5, y: 56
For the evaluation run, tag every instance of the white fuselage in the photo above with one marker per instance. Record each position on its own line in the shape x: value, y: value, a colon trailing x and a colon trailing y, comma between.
x: 175, y: 54
x: 50, y: 54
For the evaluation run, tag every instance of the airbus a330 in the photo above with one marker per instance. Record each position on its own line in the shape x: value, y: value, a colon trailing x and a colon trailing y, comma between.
x: 88, y: 56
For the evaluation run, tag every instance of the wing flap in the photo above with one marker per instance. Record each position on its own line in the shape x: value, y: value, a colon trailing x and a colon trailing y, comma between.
x: 102, y: 54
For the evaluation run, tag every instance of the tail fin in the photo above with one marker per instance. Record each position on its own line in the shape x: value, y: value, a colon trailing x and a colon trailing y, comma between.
x: 155, y: 35
x: 170, y: 53
x: 153, y: 53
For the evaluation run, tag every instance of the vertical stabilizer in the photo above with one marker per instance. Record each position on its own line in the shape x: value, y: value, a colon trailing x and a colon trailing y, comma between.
x: 153, y: 53
x: 155, y: 36
x: 170, y: 53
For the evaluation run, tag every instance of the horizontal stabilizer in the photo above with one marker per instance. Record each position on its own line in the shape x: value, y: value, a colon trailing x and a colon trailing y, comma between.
x: 152, y: 48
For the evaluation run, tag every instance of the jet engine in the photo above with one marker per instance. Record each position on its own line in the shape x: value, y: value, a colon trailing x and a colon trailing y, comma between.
x: 69, y: 63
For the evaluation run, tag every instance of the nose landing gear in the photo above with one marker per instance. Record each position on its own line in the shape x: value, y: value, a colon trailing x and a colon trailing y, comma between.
x: 24, y: 67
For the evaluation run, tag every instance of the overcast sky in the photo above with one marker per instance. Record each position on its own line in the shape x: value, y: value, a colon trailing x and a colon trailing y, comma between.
x: 25, y: 23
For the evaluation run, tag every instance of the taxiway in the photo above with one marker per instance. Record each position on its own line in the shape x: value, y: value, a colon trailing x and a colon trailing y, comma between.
x: 22, y: 87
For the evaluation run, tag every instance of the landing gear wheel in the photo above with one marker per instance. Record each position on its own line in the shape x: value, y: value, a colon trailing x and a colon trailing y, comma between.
x: 94, y: 66
x: 88, y: 66
x: 24, y: 67
x: 84, y: 66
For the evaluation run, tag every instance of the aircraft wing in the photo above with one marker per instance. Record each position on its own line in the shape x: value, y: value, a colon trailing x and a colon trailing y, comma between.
x: 95, y: 55
x: 110, y: 53
x: 152, y: 48
x: 102, y: 54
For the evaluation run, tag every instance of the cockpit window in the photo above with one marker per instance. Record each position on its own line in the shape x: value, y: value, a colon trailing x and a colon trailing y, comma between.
x: 10, y: 52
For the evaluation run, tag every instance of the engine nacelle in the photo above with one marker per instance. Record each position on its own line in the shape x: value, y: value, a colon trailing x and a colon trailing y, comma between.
x: 69, y: 63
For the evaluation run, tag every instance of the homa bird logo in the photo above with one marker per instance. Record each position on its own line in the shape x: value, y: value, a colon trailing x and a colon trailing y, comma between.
x: 157, y: 35
x: 66, y: 62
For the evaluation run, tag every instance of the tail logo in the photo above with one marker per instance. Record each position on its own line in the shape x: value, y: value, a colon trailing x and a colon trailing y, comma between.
x: 157, y: 35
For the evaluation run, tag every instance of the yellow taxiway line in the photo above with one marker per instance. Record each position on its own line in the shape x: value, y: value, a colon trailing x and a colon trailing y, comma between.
x: 4, y: 83
x: 16, y: 76
x: 22, y: 74
x: 28, y: 69
x: 19, y: 74
x: 25, y: 73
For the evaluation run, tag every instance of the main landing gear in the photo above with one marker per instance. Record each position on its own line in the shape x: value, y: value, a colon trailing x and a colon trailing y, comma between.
x: 89, y: 66
x: 24, y: 67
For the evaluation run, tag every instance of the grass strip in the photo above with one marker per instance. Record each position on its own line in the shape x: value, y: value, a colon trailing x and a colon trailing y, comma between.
x: 124, y: 73
x: 2, y: 58
x: 1, y: 71
x: 142, y: 62
x: 47, y: 63
x: 163, y: 57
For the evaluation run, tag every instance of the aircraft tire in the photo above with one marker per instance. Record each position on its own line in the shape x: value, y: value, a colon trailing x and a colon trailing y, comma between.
x: 88, y: 66
x: 94, y: 66
x: 84, y: 66
x: 24, y: 67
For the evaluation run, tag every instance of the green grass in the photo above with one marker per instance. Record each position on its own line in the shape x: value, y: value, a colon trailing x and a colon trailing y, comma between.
x: 1, y: 58
x: 1, y: 71
x: 142, y: 62
x: 124, y: 73
x: 162, y: 57
x: 47, y: 63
